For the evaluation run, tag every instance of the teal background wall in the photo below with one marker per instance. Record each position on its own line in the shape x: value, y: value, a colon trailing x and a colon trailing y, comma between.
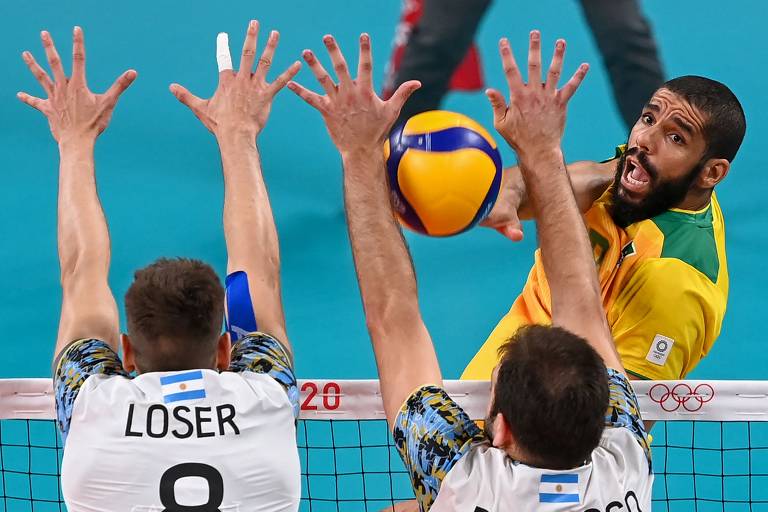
x: 159, y: 174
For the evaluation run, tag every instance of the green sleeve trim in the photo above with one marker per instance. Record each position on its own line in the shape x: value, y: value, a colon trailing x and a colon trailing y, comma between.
x: 620, y: 149
x: 690, y: 237
x: 635, y: 374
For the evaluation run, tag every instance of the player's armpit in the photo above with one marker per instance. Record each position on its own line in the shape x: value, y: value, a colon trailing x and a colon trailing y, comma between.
x: 432, y: 433
x: 648, y: 423
x: 80, y: 360
x: 624, y: 410
x: 261, y: 353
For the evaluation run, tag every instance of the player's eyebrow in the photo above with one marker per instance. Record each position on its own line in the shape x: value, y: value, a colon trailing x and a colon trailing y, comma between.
x: 685, y: 126
x: 653, y: 107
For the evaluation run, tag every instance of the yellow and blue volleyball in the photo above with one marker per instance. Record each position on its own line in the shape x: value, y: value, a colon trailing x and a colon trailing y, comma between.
x: 444, y: 172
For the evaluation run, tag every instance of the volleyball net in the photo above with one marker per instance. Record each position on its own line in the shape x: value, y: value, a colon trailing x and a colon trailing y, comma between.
x: 710, y: 445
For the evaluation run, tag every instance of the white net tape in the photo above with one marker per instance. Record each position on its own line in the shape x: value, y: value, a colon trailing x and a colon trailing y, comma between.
x: 710, y: 446
x: 361, y: 399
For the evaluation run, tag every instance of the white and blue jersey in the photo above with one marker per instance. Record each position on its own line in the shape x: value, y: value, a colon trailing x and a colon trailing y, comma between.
x: 183, y: 440
x: 454, y: 469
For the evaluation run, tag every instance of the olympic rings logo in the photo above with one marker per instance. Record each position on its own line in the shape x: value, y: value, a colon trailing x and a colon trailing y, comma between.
x: 681, y: 395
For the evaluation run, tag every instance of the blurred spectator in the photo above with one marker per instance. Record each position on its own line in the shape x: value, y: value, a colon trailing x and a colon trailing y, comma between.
x: 434, y: 44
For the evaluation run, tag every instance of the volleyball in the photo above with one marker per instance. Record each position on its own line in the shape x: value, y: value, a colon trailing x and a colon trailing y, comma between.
x: 444, y: 172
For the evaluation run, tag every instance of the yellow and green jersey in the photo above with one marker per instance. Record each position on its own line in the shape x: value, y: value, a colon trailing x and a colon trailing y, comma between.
x: 664, y: 285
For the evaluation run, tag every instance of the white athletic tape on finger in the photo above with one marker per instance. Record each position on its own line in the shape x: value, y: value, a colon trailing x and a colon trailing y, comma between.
x: 223, y: 57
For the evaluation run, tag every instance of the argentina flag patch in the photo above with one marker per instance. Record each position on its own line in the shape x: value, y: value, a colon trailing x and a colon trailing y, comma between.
x: 183, y: 386
x: 560, y: 488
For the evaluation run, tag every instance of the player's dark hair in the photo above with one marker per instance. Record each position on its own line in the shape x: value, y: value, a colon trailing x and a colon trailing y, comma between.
x: 175, y: 309
x: 552, y: 390
x: 725, y: 125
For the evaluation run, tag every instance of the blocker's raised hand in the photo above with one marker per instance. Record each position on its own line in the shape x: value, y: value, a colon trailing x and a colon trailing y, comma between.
x: 243, y: 99
x: 356, y: 117
x: 71, y: 108
x: 535, y: 116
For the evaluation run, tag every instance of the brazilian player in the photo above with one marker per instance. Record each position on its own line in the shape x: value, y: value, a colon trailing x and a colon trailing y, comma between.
x: 657, y: 233
x: 208, y: 423
x: 549, y: 441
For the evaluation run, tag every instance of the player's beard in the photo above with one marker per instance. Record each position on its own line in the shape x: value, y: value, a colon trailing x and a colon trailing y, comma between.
x: 661, y: 196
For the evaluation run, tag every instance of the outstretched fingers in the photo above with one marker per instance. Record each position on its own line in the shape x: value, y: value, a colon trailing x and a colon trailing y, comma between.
x: 569, y: 89
x: 265, y: 61
x: 498, y: 104
x: 78, y: 56
x: 121, y: 84
x: 38, y: 72
x: 249, y: 50
x: 534, y: 59
x: 320, y: 73
x: 339, y: 63
x: 54, y: 61
x: 402, y: 94
x: 556, y: 66
x: 285, y: 77
x: 187, y: 98
x: 508, y: 63
x: 312, y: 98
x: 223, y: 56
x: 32, y: 101
x: 365, y: 63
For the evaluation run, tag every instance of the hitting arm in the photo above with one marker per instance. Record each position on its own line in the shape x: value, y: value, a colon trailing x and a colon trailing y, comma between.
x: 589, y: 180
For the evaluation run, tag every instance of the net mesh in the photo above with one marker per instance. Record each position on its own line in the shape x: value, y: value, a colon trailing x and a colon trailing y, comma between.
x: 352, y: 465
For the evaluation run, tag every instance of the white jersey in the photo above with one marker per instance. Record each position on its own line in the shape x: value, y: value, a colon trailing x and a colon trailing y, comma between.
x: 486, y: 480
x: 173, y: 441
x: 454, y: 469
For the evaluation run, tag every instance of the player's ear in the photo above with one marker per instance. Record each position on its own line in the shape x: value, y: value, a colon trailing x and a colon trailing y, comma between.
x: 129, y: 357
x: 502, y: 435
x: 223, y: 352
x: 714, y: 171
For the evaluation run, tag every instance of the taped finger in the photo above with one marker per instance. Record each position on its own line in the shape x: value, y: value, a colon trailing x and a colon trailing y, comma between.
x: 223, y: 57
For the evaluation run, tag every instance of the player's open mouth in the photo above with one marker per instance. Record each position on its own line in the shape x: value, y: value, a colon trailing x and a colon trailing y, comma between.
x: 635, y: 179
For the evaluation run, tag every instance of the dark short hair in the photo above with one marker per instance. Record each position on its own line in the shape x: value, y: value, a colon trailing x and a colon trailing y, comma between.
x: 175, y: 310
x: 725, y: 125
x: 552, y: 390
